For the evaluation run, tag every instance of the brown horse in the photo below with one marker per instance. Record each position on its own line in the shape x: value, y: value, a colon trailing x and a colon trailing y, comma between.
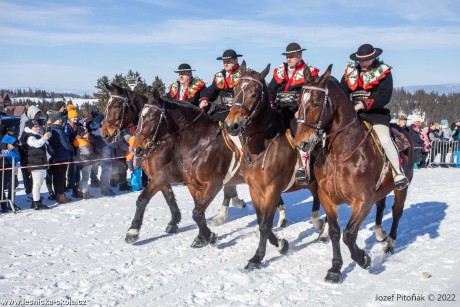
x: 123, y: 111
x: 351, y: 169
x: 270, y: 158
x: 179, y: 143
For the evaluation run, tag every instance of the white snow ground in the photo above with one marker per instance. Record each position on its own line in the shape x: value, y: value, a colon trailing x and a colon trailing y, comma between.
x: 77, y: 251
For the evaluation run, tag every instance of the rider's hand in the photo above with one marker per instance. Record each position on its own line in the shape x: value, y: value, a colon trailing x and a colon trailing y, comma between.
x: 296, y: 114
x: 203, y: 104
x: 359, y: 106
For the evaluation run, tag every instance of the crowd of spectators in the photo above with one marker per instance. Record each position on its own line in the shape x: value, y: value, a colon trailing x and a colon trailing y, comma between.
x: 61, y: 151
x: 434, y: 143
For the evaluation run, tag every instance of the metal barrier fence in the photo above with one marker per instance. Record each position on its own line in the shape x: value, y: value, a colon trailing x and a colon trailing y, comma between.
x: 445, y: 153
x: 8, y: 182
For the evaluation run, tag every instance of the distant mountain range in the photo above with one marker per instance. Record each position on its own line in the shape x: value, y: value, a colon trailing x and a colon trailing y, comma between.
x: 440, y: 88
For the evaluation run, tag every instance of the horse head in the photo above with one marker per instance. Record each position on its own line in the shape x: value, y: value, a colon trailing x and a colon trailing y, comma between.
x: 315, y: 110
x: 249, y: 95
x: 120, y: 112
x: 152, y: 125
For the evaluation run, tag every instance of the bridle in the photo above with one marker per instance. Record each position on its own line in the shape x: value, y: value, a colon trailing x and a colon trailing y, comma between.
x: 318, y: 135
x: 125, y: 106
x: 154, y: 142
x: 241, y: 104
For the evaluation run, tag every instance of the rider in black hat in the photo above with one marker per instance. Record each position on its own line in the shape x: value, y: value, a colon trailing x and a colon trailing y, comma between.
x: 284, y: 89
x: 187, y: 87
x: 220, y: 93
x: 369, y: 83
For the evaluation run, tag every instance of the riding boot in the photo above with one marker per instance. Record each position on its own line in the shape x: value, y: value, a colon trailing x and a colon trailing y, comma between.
x: 383, y: 133
x: 301, y: 175
x: 37, y: 205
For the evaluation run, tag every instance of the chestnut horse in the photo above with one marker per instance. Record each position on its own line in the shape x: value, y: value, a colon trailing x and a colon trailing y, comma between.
x: 270, y: 157
x: 351, y: 169
x: 180, y: 143
x: 123, y: 111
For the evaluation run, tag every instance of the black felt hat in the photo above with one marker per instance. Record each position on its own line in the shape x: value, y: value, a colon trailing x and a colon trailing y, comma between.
x: 229, y: 54
x: 293, y: 48
x: 366, y: 52
x: 184, y: 68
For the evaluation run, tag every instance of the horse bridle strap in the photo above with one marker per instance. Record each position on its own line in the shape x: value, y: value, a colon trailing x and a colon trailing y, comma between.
x: 125, y: 105
x: 241, y: 104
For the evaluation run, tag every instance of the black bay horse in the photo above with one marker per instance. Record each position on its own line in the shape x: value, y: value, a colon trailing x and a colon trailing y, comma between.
x: 123, y: 111
x: 179, y: 143
x: 270, y: 157
x: 351, y: 169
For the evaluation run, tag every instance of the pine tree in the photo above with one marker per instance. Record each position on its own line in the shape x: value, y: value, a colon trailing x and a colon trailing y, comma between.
x: 159, y: 85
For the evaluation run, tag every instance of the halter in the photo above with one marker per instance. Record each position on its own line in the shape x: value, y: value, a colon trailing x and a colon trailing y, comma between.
x: 241, y: 104
x: 125, y: 106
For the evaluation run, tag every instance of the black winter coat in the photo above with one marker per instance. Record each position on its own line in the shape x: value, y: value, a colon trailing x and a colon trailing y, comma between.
x: 60, y: 148
x: 34, y: 156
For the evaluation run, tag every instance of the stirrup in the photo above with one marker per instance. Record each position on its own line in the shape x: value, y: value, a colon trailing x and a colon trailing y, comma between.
x: 300, y: 175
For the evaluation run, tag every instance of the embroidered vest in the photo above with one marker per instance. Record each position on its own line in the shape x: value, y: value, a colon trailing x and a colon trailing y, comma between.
x: 370, y: 78
x: 232, y: 79
x: 193, y: 88
x: 281, y: 75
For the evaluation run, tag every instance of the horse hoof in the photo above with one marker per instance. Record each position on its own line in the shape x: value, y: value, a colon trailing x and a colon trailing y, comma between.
x: 199, y: 242
x: 251, y: 266
x: 284, y: 223
x: 238, y: 203
x: 334, y: 277
x: 389, y: 250
x: 217, y: 221
x: 367, y: 262
x: 212, y: 239
x: 171, y: 228
x: 323, y: 240
x: 283, y: 246
x: 132, y: 236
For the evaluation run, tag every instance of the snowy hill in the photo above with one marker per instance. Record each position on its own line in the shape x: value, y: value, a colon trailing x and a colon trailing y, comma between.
x: 77, y: 251
x: 440, y: 88
x: 76, y: 101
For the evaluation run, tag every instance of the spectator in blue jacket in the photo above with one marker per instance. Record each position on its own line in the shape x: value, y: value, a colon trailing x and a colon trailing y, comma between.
x: 61, y: 152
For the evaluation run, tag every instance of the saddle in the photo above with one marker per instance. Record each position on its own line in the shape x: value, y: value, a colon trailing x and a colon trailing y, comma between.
x: 398, y: 138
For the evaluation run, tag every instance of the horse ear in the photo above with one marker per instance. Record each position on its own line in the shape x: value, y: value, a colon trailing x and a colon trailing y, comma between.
x: 265, y: 72
x: 108, y: 86
x: 117, y: 88
x: 325, y: 77
x: 243, y: 66
x: 306, y: 73
x: 156, y: 95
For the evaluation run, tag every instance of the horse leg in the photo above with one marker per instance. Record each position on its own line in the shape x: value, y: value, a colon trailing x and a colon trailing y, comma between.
x: 314, y: 217
x: 265, y: 216
x: 221, y: 216
x: 380, y: 234
x: 141, y: 203
x: 233, y: 194
x: 358, y: 214
x: 282, y: 221
x: 397, y: 211
x: 175, y: 212
x: 333, y: 274
x: 202, y: 200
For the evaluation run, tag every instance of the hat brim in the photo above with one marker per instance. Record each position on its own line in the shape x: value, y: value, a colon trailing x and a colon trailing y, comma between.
x: 293, y: 51
x: 184, y: 70
x: 359, y: 58
x: 228, y: 57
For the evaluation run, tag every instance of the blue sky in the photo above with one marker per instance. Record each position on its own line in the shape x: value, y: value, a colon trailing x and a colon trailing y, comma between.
x: 68, y: 45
